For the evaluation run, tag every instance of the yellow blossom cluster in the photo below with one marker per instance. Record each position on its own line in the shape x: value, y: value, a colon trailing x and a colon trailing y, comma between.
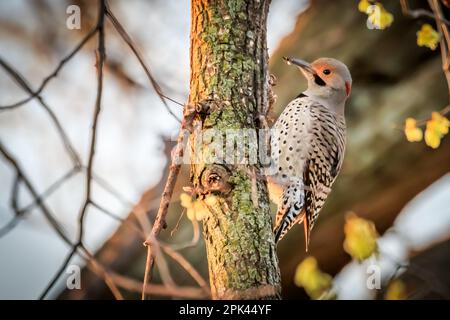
x: 412, y: 132
x: 360, y: 237
x: 396, y: 291
x: 196, y: 209
x: 436, y: 129
x: 360, y: 243
x: 427, y: 37
x: 316, y: 283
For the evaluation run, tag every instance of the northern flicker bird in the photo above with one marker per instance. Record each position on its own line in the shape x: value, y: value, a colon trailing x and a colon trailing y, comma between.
x: 308, y: 145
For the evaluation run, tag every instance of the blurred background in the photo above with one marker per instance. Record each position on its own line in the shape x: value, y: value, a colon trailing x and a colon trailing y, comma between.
x: 403, y: 187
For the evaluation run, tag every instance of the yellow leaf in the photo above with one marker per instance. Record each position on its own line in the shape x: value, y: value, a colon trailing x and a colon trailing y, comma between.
x: 191, y: 213
x: 363, y: 5
x: 360, y: 237
x: 441, y: 123
x: 200, y: 210
x: 396, y: 291
x: 413, y: 134
x: 186, y: 200
x: 436, y: 129
x: 210, y: 200
x: 316, y: 283
x: 386, y: 19
x: 197, y: 211
x: 427, y: 37
x: 432, y: 135
x: 378, y: 16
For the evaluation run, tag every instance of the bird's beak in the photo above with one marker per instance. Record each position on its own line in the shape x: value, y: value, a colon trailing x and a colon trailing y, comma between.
x: 302, y: 64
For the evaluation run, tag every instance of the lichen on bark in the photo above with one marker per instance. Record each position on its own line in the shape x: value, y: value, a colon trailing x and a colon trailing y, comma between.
x: 229, y: 74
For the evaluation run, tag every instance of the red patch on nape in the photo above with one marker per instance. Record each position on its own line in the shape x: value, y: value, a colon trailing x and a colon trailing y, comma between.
x: 347, y: 88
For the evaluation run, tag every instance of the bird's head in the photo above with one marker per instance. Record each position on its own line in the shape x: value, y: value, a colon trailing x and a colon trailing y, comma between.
x: 328, y: 79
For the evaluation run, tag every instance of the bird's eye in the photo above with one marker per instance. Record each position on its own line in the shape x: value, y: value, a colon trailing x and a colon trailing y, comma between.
x: 326, y: 71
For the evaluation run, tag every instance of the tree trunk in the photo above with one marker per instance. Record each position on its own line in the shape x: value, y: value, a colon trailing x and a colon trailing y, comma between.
x: 229, y: 79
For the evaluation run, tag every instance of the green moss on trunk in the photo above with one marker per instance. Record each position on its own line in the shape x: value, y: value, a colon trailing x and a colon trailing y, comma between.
x: 229, y: 71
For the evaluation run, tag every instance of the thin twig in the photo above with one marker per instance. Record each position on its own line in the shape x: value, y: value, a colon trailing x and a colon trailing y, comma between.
x: 160, y: 221
x: 417, y: 13
x: 126, y: 37
x: 98, y: 269
x: 421, y: 273
x: 103, y: 273
x: 423, y: 122
x: 78, y: 247
x: 45, y: 210
x: 100, y: 59
x: 59, y: 272
x: 193, y: 242
x: 20, y: 80
x: 8, y: 227
x: 15, y: 194
x: 163, y: 266
x: 177, y: 225
x: 107, y: 212
x: 52, y: 188
x: 159, y: 257
x: 171, y: 251
x: 19, y: 171
x: 169, y: 288
x: 52, y: 75
x: 159, y: 290
x: 444, y: 39
x: 187, y: 266
x: 105, y: 185
x: 444, y: 43
x: 17, y: 214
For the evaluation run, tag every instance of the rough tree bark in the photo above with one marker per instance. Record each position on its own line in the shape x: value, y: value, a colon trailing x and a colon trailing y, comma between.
x: 229, y: 79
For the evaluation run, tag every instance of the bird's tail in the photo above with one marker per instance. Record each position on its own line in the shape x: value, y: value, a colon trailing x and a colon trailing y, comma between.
x: 290, y: 210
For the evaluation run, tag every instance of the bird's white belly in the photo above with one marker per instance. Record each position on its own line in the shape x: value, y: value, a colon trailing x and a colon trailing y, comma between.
x: 290, y: 144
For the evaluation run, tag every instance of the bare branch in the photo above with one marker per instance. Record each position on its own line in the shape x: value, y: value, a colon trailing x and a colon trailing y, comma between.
x: 59, y: 272
x: 103, y: 273
x: 47, y: 214
x: 52, y: 75
x: 52, y: 188
x: 78, y: 247
x: 105, y: 185
x: 159, y: 290
x: 20, y: 80
x: 160, y: 221
x: 19, y: 171
x: 444, y: 41
x: 100, y: 58
x: 15, y: 194
x: 20, y: 212
x: 105, y: 211
x: 188, y: 267
x: 125, y: 36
